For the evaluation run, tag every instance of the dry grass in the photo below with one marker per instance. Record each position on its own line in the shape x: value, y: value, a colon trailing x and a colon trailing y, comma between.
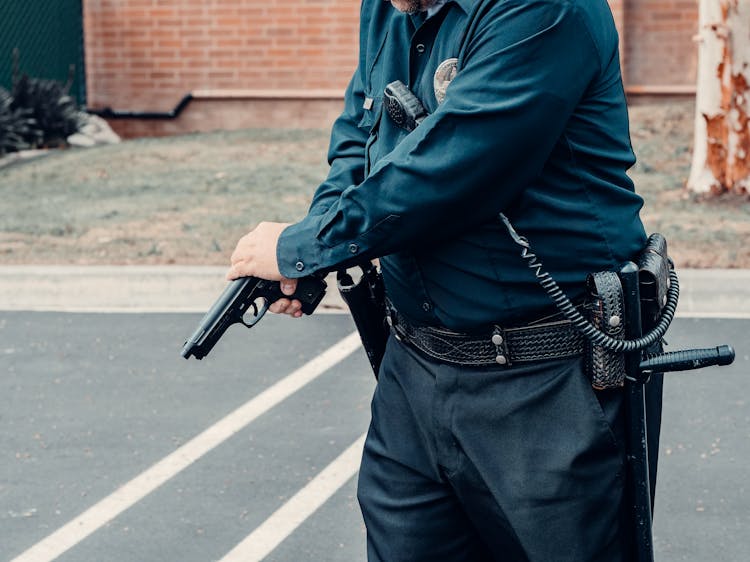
x: 188, y: 199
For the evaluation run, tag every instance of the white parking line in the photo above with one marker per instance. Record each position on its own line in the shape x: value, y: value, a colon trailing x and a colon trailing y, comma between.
x: 294, y: 512
x: 136, y: 489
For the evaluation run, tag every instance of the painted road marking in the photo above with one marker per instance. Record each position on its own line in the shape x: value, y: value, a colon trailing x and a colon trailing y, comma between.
x: 139, y: 487
x: 302, y: 505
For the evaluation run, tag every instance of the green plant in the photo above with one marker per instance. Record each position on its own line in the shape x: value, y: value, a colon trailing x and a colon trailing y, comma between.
x: 53, y: 110
x: 18, y: 130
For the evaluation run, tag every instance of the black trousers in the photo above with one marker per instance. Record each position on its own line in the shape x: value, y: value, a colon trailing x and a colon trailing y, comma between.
x: 506, y: 464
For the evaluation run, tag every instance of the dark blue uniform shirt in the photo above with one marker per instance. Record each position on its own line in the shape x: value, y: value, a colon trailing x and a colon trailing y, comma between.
x: 533, y: 124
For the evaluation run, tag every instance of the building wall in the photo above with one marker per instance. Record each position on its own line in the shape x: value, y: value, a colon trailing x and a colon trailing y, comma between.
x: 147, y: 54
x: 659, y: 48
x: 243, y: 57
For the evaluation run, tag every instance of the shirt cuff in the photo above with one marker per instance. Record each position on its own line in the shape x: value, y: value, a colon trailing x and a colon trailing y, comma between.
x: 298, y: 251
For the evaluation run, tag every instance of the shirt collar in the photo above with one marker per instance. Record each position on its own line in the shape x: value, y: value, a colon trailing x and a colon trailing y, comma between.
x: 435, y: 8
x: 466, y: 5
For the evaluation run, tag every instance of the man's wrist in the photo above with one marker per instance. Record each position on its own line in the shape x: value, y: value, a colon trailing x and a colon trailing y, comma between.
x: 298, y: 251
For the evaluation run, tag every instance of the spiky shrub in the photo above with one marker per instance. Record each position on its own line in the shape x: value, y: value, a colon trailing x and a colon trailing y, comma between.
x: 18, y: 129
x: 53, y: 110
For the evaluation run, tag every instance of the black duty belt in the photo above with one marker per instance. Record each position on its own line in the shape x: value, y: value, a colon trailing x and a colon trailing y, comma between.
x: 495, y: 346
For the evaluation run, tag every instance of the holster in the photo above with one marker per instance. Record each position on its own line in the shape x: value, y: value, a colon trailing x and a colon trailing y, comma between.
x: 366, y: 301
x: 653, y: 279
x: 606, y: 308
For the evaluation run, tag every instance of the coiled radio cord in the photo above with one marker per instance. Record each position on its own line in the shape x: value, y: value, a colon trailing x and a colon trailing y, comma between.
x: 591, y: 332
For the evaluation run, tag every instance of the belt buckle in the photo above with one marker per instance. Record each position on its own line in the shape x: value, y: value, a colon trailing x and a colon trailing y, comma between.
x: 500, y: 341
x: 392, y: 321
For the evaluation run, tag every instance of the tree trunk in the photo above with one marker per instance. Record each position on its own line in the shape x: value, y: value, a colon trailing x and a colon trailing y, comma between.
x: 721, y: 150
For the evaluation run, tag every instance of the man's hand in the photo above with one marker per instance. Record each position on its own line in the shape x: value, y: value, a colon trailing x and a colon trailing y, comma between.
x: 292, y: 307
x: 255, y: 256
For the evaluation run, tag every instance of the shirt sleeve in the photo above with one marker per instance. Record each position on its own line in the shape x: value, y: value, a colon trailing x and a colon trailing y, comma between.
x: 346, y: 152
x: 522, y: 71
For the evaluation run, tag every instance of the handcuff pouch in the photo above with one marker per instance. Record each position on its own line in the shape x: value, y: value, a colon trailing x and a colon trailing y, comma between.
x: 605, y: 308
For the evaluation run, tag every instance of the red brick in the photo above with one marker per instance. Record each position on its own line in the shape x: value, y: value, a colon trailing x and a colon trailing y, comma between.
x: 140, y: 51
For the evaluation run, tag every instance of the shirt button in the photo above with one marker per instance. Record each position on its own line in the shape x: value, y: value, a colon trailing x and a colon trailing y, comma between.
x: 497, y: 339
x: 426, y: 306
x: 420, y: 48
x: 353, y: 248
x: 299, y: 266
x: 501, y: 360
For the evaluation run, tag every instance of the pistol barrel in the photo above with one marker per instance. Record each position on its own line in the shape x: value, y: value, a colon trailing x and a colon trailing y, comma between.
x: 227, y: 310
x: 241, y: 295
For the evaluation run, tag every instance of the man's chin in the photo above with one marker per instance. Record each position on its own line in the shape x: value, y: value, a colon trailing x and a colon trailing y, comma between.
x: 412, y: 6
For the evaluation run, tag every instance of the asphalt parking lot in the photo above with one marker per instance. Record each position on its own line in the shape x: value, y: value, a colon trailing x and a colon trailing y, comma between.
x: 117, y: 449
x: 91, y: 401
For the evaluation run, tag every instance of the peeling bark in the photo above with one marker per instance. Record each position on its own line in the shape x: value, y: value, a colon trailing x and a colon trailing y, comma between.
x: 721, y: 150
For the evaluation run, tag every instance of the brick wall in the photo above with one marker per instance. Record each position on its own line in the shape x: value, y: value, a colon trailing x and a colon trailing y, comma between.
x: 659, y: 47
x: 145, y: 55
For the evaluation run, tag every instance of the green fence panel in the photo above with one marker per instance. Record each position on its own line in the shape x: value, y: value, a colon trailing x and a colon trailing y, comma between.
x: 49, y: 37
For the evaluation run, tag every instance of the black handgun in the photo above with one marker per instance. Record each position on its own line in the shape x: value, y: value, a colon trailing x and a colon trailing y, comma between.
x: 245, y: 301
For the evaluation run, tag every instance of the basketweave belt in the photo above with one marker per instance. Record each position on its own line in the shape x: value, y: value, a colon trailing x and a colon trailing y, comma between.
x: 495, y: 346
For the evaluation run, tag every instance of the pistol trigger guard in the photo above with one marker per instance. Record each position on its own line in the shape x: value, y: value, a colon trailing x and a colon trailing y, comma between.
x: 258, y: 313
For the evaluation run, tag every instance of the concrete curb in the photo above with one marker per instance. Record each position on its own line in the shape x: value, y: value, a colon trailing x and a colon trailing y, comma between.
x: 704, y: 293
x: 122, y: 288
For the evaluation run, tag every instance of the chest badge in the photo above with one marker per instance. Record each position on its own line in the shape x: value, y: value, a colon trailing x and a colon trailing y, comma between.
x: 445, y: 72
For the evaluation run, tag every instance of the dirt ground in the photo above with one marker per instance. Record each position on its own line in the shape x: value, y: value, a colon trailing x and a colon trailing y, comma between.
x: 187, y: 199
x: 702, y: 232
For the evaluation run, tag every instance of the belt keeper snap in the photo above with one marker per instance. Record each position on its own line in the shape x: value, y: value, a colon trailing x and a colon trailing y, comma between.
x: 390, y: 315
x: 502, y: 356
x: 392, y: 320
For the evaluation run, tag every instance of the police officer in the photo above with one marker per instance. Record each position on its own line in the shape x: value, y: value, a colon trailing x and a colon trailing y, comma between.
x: 487, y: 441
